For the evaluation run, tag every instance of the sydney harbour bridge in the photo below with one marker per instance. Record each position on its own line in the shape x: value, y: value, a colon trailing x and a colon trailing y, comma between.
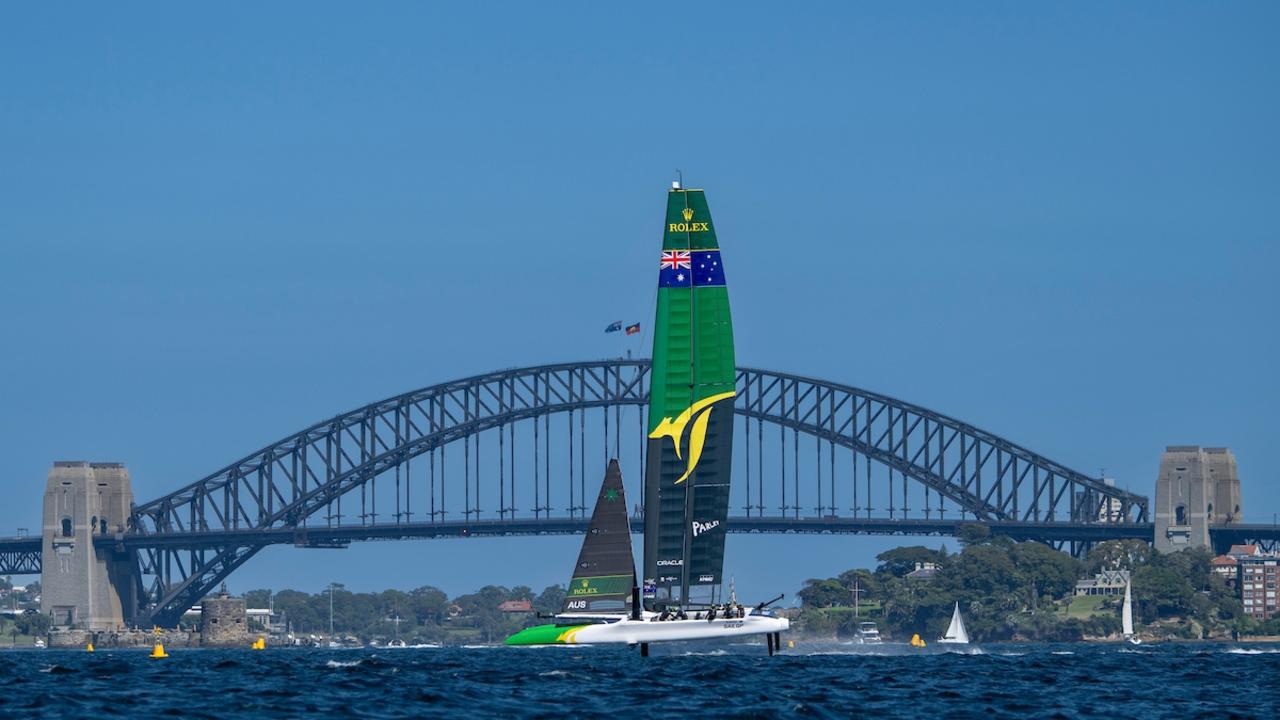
x: 521, y: 452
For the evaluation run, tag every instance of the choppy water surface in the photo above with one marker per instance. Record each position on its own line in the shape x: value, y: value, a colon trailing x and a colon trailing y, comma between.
x: 815, y: 680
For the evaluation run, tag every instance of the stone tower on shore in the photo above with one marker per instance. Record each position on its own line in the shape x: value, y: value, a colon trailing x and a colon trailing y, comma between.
x: 223, y: 620
x: 81, y: 585
x: 1197, y: 488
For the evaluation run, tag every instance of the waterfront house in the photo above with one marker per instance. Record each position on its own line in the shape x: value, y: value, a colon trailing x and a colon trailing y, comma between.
x: 1107, y: 582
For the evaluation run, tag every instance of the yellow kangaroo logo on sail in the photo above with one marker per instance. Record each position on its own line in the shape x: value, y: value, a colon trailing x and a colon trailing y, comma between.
x: 700, y: 413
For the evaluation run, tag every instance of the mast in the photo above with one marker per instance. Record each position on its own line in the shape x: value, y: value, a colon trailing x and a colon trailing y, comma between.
x: 693, y: 367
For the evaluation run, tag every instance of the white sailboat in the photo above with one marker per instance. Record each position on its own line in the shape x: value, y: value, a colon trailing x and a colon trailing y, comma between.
x: 1126, y: 617
x: 956, y: 634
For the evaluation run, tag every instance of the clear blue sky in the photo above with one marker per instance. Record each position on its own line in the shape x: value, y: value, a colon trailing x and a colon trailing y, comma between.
x: 1055, y: 221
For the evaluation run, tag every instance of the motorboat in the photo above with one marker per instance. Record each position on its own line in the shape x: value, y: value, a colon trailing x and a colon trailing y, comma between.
x: 867, y: 634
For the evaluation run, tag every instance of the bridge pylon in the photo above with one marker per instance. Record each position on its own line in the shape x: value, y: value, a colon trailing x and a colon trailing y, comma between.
x: 83, y: 585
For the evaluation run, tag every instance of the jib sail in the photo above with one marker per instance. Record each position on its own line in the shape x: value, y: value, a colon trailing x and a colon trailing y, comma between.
x: 690, y: 412
x: 605, y: 573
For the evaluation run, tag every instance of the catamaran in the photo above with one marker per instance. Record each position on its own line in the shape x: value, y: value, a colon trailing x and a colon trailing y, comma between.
x: 955, y: 634
x: 687, y: 469
x: 1126, y: 618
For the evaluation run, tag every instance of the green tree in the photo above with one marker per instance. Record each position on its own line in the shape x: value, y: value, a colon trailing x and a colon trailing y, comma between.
x: 1118, y: 555
x: 823, y: 593
x: 428, y: 605
x: 868, y: 583
x: 550, y: 600
x: 1045, y: 571
x: 900, y: 561
x: 300, y: 612
x: 1160, y: 591
x: 816, y: 622
x: 973, y: 534
x: 981, y: 571
x: 33, y: 623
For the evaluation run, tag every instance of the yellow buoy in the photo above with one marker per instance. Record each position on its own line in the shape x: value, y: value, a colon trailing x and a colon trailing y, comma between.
x: 259, y: 644
x: 916, y: 641
x: 158, y: 651
x: 88, y: 648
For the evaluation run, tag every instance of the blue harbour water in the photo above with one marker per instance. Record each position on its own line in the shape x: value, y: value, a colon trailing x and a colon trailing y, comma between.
x: 739, y: 681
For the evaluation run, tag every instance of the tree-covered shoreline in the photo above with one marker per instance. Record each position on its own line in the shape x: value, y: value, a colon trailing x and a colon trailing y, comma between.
x: 1007, y: 591
x: 426, y: 614
x: 1011, y: 591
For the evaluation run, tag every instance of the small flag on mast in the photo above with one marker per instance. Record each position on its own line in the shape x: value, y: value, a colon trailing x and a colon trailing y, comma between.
x: 633, y: 329
x: 614, y: 326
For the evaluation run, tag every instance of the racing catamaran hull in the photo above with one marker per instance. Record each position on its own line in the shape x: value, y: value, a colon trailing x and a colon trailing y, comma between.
x: 648, y: 630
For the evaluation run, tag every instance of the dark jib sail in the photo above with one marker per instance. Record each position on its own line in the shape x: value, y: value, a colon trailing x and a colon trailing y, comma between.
x: 690, y: 412
x: 606, y: 571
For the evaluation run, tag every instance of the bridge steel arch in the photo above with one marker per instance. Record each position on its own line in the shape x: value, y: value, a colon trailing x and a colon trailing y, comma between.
x: 190, y: 539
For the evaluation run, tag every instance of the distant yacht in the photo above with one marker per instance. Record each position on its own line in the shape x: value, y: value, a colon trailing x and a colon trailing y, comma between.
x: 956, y: 634
x: 1126, y: 617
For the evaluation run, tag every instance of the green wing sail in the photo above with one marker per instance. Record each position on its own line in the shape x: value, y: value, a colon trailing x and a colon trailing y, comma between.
x: 690, y: 411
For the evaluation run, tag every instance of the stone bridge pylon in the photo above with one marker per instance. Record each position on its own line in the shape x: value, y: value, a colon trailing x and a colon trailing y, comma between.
x: 83, y: 585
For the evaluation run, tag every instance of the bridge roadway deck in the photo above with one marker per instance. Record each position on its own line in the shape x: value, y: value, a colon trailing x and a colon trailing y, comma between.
x: 21, y: 555
x: 325, y: 536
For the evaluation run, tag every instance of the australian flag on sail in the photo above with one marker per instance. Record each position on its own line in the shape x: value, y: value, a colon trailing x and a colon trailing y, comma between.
x: 685, y: 268
x: 614, y: 326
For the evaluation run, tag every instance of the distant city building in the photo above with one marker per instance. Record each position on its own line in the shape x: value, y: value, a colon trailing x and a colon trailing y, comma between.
x: 1240, y: 551
x: 924, y: 571
x: 1111, y: 509
x: 516, y: 606
x: 1257, y: 579
x: 1105, y: 509
x: 1196, y: 488
x: 1107, y: 582
x: 1225, y: 567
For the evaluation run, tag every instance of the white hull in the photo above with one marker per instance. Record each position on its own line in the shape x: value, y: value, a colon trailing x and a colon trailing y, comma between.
x: 631, y: 632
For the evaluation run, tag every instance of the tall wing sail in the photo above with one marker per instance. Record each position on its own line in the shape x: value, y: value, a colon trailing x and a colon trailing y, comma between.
x: 606, y: 571
x: 690, y: 411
